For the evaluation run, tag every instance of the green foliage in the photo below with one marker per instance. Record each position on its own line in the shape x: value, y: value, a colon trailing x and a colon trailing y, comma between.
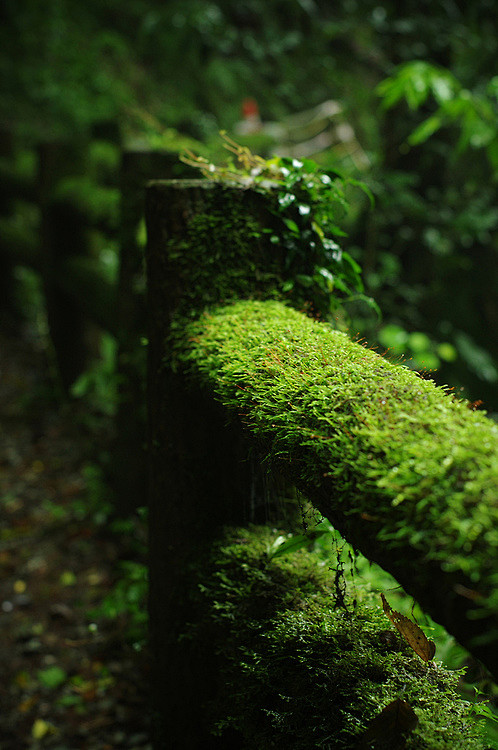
x: 98, y: 204
x: 359, y: 577
x: 284, y: 545
x: 58, y: 44
x: 128, y: 598
x: 436, y: 216
x: 435, y: 212
x: 391, y: 448
x: 483, y: 711
x: 52, y: 677
x: 125, y: 606
x: 308, y: 203
x: 98, y: 384
x: 474, y: 113
x: 126, y: 603
x: 415, y: 82
x: 293, y: 671
x: 422, y: 352
x: 97, y: 503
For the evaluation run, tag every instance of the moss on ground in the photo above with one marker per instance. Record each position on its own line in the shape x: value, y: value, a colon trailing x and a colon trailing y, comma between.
x: 293, y: 672
x: 396, y: 456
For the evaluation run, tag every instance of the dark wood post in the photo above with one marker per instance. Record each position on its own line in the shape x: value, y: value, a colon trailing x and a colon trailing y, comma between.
x: 138, y: 166
x: 205, y: 245
x: 6, y: 280
x: 62, y: 235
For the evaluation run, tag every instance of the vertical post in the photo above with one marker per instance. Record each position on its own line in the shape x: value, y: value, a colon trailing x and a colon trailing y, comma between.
x: 138, y: 165
x: 62, y: 235
x: 6, y: 278
x: 205, y: 245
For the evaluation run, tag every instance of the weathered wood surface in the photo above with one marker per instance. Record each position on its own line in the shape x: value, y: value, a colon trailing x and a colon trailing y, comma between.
x: 62, y: 236
x: 197, y: 257
x: 200, y: 476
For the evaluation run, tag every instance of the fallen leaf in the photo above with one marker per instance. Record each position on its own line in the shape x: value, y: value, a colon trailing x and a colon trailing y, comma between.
x: 51, y: 677
x: 27, y: 704
x: 413, y: 635
x: 67, y: 578
x: 60, y: 610
x: 386, y: 730
x: 41, y: 729
x: 20, y: 587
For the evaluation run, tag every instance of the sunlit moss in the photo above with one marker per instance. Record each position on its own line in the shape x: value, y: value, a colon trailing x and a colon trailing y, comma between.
x: 222, y: 250
x: 398, y: 456
x: 292, y: 671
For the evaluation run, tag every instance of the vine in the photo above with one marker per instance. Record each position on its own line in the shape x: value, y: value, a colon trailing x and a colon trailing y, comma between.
x: 318, y: 271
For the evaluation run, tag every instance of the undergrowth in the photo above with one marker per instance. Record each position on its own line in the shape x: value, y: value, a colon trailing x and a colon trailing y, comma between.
x: 297, y: 671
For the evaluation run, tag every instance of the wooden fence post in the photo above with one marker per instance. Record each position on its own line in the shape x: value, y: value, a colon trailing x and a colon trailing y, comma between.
x: 204, y: 245
x: 6, y: 199
x: 62, y: 235
x: 138, y: 166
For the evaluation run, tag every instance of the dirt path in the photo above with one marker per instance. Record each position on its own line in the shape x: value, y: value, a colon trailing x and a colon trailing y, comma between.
x: 69, y: 678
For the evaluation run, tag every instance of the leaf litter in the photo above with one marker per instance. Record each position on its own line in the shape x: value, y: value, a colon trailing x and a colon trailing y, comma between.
x: 69, y: 679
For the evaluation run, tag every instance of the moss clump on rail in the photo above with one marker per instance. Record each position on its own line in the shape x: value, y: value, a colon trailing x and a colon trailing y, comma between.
x: 290, y: 671
x: 397, y: 455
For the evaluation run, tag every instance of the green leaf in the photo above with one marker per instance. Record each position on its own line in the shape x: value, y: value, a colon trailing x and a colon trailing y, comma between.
x: 327, y: 276
x: 425, y: 130
x: 362, y: 186
x: 294, y: 543
x: 304, y: 279
x: 291, y: 224
x: 51, y: 677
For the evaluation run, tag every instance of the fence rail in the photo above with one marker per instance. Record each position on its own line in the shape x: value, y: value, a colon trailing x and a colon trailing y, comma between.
x: 404, y: 471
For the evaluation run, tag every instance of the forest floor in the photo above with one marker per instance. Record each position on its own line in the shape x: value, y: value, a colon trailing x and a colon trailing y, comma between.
x: 70, y: 677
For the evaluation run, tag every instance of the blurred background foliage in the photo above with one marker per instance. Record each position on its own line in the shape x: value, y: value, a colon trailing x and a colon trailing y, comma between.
x: 402, y: 96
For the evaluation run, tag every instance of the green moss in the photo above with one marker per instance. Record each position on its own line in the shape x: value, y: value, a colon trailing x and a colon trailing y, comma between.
x: 411, y: 471
x: 225, y: 253
x: 293, y: 672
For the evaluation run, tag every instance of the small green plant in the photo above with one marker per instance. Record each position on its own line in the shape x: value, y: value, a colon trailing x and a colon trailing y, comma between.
x: 474, y: 113
x: 52, y: 677
x: 422, y: 351
x: 96, y: 504
x: 128, y: 599
x: 309, y: 204
x: 98, y: 384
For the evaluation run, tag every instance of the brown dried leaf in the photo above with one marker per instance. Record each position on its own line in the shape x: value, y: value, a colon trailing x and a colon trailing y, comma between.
x: 413, y: 635
x: 387, y: 729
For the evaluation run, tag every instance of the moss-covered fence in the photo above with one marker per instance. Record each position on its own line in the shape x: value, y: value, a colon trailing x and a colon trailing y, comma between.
x: 57, y: 203
x: 405, y: 471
